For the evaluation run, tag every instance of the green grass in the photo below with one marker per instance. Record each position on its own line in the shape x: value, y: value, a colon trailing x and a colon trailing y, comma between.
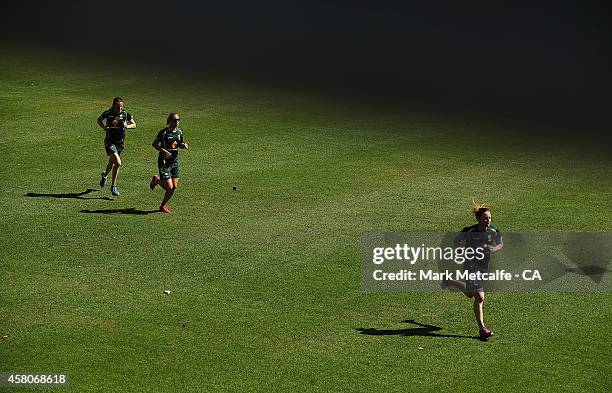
x: 266, y: 279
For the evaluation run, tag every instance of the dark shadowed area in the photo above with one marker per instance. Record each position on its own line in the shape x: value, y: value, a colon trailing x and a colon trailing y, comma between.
x: 546, y: 62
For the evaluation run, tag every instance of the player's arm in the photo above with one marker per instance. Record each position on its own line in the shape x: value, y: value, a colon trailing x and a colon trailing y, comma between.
x: 129, y: 124
x: 182, y: 144
x: 101, y: 122
x: 459, y: 240
x: 158, y: 146
x: 497, y: 247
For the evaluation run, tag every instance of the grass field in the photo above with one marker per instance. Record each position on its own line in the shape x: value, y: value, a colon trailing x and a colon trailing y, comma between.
x: 265, y: 279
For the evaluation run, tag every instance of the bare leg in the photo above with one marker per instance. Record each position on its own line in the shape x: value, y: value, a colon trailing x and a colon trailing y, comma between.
x: 478, y: 308
x: 168, y: 186
x: 116, y: 164
x: 109, y: 166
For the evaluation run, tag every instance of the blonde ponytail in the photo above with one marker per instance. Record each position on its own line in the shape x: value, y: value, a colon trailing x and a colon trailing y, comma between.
x: 479, y: 208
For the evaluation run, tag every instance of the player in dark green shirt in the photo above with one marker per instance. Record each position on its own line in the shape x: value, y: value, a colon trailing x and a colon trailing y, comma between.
x: 489, y: 238
x: 114, y: 121
x: 168, y: 142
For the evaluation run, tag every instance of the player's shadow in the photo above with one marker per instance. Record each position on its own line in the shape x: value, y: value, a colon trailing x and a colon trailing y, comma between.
x: 422, y: 330
x: 130, y: 210
x: 70, y: 195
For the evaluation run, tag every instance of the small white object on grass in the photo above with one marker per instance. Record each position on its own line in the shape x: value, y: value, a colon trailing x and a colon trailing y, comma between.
x: 167, y: 292
x: 420, y: 348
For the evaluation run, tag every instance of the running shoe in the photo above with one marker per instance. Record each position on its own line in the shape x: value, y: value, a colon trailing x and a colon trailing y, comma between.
x: 154, y: 182
x: 485, y: 333
x: 102, y: 179
x: 114, y: 191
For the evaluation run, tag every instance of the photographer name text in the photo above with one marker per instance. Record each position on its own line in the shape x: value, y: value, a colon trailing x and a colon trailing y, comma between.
x: 458, y: 275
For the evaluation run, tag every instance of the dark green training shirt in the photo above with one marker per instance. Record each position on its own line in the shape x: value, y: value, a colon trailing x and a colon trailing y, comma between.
x: 474, y: 238
x: 115, y: 122
x: 169, y: 141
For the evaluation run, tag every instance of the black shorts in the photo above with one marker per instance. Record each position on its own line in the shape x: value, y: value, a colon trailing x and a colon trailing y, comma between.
x: 475, y: 267
x: 169, y: 170
x: 113, y: 148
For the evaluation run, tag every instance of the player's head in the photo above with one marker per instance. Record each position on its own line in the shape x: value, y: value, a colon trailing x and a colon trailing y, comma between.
x: 482, y: 213
x: 118, y: 103
x: 173, y: 119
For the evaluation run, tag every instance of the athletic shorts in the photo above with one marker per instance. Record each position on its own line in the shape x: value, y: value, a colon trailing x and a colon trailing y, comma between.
x: 168, y: 171
x: 113, y: 148
x: 474, y: 267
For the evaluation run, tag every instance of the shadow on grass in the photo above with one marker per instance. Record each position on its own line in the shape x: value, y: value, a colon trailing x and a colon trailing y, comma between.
x: 130, y: 210
x: 71, y: 195
x: 422, y: 330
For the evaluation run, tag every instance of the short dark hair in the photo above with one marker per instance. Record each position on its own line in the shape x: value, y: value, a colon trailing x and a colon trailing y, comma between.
x: 117, y: 99
x: 170, y: 115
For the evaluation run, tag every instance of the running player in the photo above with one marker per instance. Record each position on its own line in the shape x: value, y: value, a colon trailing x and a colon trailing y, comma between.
x: 489, y: 238
x: 114, y: 121
x: 167, y: 142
